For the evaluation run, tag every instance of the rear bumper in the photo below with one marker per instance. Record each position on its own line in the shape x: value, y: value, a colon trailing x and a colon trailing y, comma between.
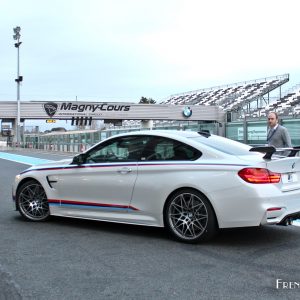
x: 288, y: 220
x: 280, y: 207
x: 280, y: 217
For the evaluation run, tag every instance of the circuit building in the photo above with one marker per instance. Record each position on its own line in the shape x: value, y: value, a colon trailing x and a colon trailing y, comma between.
x: 86, y: 112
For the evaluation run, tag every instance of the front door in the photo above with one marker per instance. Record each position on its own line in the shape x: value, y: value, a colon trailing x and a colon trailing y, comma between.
x: 104, y: 183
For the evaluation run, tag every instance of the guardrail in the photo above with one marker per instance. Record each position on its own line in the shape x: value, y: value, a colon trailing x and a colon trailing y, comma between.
x: 61, y: 147
x: 71, y: 148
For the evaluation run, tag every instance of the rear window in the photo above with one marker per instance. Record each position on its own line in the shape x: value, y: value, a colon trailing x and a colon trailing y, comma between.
x: 225, y: 145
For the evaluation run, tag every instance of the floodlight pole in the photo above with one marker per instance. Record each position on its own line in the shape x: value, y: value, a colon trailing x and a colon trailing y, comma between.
x: 19, y: 79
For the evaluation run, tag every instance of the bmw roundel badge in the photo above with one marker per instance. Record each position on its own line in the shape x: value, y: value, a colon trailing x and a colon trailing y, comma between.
x: 187, y: 112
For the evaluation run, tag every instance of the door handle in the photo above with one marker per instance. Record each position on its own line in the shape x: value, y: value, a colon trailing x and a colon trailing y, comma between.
x: 124, y: 170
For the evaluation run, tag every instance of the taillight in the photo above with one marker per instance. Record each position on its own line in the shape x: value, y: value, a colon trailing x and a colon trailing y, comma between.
x: 259, y: 175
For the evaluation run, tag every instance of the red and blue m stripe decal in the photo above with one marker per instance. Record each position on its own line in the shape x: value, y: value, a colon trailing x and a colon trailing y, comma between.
x: 89, y: 205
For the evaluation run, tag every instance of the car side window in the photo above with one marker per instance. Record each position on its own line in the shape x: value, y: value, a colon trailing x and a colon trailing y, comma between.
x: 160, y: 148
x: 121, y: 149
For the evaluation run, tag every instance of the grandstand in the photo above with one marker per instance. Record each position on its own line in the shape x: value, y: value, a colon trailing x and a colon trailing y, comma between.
x: 288, y: 105
x: 252, y: 99
x: 249, y: 98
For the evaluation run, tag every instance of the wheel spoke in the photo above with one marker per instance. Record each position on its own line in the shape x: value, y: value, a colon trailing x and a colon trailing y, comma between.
x: 178, y: 222
x: 198, y: 225
x: 183, y: 202
x: 193, y: 232
x: 197, y: 207
x: 177, y: 207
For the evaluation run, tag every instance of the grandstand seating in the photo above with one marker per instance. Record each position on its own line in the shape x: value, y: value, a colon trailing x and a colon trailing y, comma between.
x: 229, y: 97
x: 287, y: 105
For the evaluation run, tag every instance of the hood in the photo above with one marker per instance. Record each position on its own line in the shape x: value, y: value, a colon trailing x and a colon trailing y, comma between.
x: 58, y: 163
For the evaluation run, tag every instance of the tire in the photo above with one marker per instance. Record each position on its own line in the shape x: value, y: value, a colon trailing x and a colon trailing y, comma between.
x: 32, y: 201
x: 189, y: 217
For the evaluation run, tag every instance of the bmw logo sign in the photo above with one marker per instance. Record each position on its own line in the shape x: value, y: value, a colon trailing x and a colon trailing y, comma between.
x: 187, y: 112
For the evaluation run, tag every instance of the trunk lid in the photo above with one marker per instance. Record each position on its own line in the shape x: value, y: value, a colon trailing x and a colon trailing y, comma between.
x: 289, y: 168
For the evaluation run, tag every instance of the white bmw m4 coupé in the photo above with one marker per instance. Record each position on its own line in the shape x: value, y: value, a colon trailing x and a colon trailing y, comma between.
x: 191, y: 183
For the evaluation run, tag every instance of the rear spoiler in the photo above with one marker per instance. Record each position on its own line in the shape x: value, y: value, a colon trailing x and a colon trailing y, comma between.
x: 270, y: 150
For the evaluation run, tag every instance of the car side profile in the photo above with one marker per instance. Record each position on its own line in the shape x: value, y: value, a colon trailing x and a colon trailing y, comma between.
x: 190, y: 183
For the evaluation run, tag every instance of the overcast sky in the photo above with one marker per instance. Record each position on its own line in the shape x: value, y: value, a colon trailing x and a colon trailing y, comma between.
x: 120, y: 50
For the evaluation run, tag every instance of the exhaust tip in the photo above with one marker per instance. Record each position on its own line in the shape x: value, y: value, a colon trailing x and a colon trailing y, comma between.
x: 286, y: 221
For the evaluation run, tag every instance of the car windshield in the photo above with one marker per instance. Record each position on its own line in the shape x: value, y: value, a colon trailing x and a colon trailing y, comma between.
x: 225, y: 145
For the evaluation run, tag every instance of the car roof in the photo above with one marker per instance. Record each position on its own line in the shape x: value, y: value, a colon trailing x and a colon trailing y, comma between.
x: 166, y: 133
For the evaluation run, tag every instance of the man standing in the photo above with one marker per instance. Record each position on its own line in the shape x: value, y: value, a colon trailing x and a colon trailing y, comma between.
x: 278, y: 135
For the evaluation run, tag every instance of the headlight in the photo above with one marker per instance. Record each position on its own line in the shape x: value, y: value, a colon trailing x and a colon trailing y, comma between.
x: 18, y: 177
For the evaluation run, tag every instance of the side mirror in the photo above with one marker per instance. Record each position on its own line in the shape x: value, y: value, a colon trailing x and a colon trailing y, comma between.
x: 78, y: 159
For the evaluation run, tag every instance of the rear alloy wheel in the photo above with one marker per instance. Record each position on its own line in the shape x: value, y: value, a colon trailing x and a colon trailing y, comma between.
x: 32, y: 201
x: 189, y: 217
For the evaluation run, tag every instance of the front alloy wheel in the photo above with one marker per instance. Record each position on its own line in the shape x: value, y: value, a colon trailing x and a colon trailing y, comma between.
x: 189, y: 217
x: 32, y: 201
